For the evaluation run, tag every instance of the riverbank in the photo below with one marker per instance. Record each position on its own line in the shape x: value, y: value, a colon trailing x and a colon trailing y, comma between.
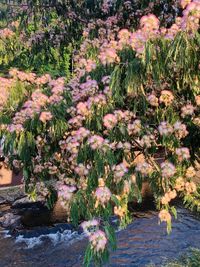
x: 144, y: 242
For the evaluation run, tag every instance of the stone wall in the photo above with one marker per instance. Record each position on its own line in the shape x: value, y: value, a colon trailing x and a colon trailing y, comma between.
x: 8, y: 177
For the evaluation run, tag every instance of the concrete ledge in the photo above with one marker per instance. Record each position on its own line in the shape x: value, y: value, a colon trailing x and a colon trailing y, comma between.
x: 12, y: 187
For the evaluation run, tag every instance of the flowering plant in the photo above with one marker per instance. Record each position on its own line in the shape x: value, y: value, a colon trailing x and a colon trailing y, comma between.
x: 129, y: 115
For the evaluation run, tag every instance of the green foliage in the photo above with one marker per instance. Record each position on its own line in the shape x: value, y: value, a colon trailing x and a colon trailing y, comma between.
x: 98, y: 258
x: 192, y: 202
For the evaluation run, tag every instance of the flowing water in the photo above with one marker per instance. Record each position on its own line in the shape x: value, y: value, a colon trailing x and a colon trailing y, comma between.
x: 142, y: 242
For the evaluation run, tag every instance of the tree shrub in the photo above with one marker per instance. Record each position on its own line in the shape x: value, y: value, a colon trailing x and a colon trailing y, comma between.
x: 134, y: 92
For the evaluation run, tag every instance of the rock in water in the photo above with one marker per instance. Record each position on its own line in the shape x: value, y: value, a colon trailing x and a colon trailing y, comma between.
x: 10, y: 220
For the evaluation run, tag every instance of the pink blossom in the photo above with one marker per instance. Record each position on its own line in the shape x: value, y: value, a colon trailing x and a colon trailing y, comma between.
x: 45, y: 116
x: 43, y: 79
x: 82, y: 109
x: 55, y: 99
x: 180, y: 130
x: 108, y: 56
x: 109, y: 121
x: 190, y: 187
x: 107, y: 91
x: 184, y: 3
x: 105, y: 80
x: 165, y: 128
x: 76, y: 121
x: 96, y: 142
x: 153, y: 100
x: 138, y: 40
x: 15, y: 128
x: 6, y: 33
x: 98, y: 241
x: 38, y: 168
x: 187, y: 110
x: 90, y: 226
x: 197, y: 99
x: 144, y: 168
x: 166, y: 97
x: 135, y: 127
x: 65, y: 193
x: 147, y: 140
x: 82, y: 170
x: 149, y: 22
x: 124, y: 36
x: 119, y: 171
x: 168, y: 169
x: 40, y: 98
x: 58, y: 89
x: 192, y: 9
x: 164, y: 216
x: 103, y: 195
x: 183, y: 153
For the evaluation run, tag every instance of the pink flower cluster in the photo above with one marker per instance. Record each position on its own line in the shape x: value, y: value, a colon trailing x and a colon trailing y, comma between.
x: 84, y: 108
x: 149, y: 22
x: 190, y: 20
x: 110, y: 121
x: 84, y: 90
x: 6, y: 33
x: 166, y: 97
x: 147, y: 140
x: 135, y: 127
x: 149, y: 29
x: 124, y: 37
x: 102, y: 195
x: 106, y: 5
x: 87, y: 64
x: 30, y: 109
x: 98, y: 241
x: 167, y: 169
x: 65, y: 193
x: 119, y: 171
x: 90, y: 226
x: 165, y: 128
x: 144, y: 168
x: 187, y: 110
x: 38, y: 101
x: 165, y: 216
x: 71, y: 145
x: 108, y: 56
x: 181, y: 185
x: 96, y: 142
x: 97, y: 237
x: 82, y: 170
x: 184, y: 3
x: 180, y: 130
x: 119, y: 116
x: 171, y: 194
x: 45, y: 116
x: 183, y: 153
x: 5, y: 85
x: 22, y: 76
x: 153, y: 100
x: 57, y: 89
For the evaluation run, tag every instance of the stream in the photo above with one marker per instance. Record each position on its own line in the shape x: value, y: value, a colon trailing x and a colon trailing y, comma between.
x: 142, y: 243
